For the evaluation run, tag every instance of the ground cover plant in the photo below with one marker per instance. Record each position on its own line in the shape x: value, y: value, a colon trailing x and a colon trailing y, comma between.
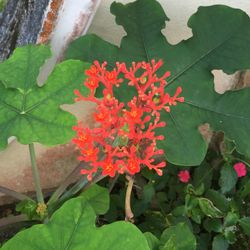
x: 154, y: 168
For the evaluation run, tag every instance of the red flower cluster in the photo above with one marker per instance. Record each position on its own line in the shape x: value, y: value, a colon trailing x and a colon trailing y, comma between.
x: 124, y: 139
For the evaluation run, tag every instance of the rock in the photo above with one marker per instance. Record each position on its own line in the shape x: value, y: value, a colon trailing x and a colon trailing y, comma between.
x: 20, y: 24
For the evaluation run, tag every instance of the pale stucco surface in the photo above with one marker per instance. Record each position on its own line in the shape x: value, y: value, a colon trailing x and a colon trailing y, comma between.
x: 14, y: 161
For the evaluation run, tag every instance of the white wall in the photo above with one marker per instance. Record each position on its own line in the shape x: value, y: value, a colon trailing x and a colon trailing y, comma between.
x: 178, y: 11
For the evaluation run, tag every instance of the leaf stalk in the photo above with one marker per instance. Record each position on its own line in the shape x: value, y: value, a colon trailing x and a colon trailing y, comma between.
x: 35, y: 173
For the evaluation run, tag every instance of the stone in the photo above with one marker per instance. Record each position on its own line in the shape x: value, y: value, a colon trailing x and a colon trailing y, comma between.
x: 20, y: 24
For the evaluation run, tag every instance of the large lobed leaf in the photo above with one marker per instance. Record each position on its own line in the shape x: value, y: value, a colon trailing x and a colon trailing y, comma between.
x: 221, y: 40
x: 73, y: 227
x: 32, y: 113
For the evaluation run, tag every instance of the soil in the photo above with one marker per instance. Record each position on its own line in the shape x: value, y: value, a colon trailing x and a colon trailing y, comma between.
x: 6, y: 232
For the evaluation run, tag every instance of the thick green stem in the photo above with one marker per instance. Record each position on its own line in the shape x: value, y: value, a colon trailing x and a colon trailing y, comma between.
x: 35, y: 172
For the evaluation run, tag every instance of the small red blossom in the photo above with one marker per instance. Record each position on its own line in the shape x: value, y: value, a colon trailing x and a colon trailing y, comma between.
x: 240, y: 169
x: 92, y: 72
x: 124, y: 139
x: 108, y: 167
x: 91, y: 83
x: 133, y: 166
x: 184, y: 176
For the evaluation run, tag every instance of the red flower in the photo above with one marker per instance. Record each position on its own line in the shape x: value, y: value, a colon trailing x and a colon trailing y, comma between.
x: 89, y: 154
x: 133, y: 166
x: 92, y: 72
x: 184, y: 176
x: 240, y: 169
x: 91, y: 83
x: 125, y: 140
x: 108, y: 167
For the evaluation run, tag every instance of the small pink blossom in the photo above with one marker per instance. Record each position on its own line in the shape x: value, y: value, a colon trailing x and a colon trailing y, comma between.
x: 240, y: 169
x: 184, y: 176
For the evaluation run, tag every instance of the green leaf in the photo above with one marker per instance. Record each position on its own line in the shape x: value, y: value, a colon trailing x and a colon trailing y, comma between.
x: 198, y: 191
x: 209, y: 209
x: 73, y: 227
x: 213, y: 225
x: 228, y: 178
x: 220, y: 243
x: 2, y: 4
x: 203, y: 241
x: 98, y: 198
x: 191, y: 203
x: 229, y: 234
x: 171, y: 244
x: 20, y: 71
x: 231, y: 219
x: 203, y: 174
x: 218, y: 199
x: 245, y: 190
x: 153, y: 241
x: 27, y: 207
x: 196, y: 215
x: 32, y: 113
x: 179, y: 236
x: 245, y: 224
x: 220, y: 41
x: 178, y: 211
x: 140, y: 206
x: 154, y: 222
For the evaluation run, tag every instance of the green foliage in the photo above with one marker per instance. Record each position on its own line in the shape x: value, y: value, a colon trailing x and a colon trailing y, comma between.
x: 27, y: 207
x: 245, y: 190
x: 245, y: 224
x: 212, y: 217
x: 212, y: 211
x: 98, y: 198
x: 73, y: 227
x: 213, y: 225
x: 218, y: 199
x: 153, y: 242
x: 32, y: 113
x: 220, y: 41
x: 2, y: 4
x: 220, y: 243
x: 209, y: 209
x: 228, y: 178
x: 142, y: 205
x: 203, y: 174
x: 231, y: 219
x: 180, y: 237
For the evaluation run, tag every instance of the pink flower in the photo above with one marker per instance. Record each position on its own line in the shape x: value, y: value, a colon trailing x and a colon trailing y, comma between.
x: 240, y: 169
x: 184, y: 176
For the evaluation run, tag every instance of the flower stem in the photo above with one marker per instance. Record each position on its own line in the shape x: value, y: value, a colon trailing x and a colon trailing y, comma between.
x: 128, y: 212
x: 238, y: 159
x: 35, y: 173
